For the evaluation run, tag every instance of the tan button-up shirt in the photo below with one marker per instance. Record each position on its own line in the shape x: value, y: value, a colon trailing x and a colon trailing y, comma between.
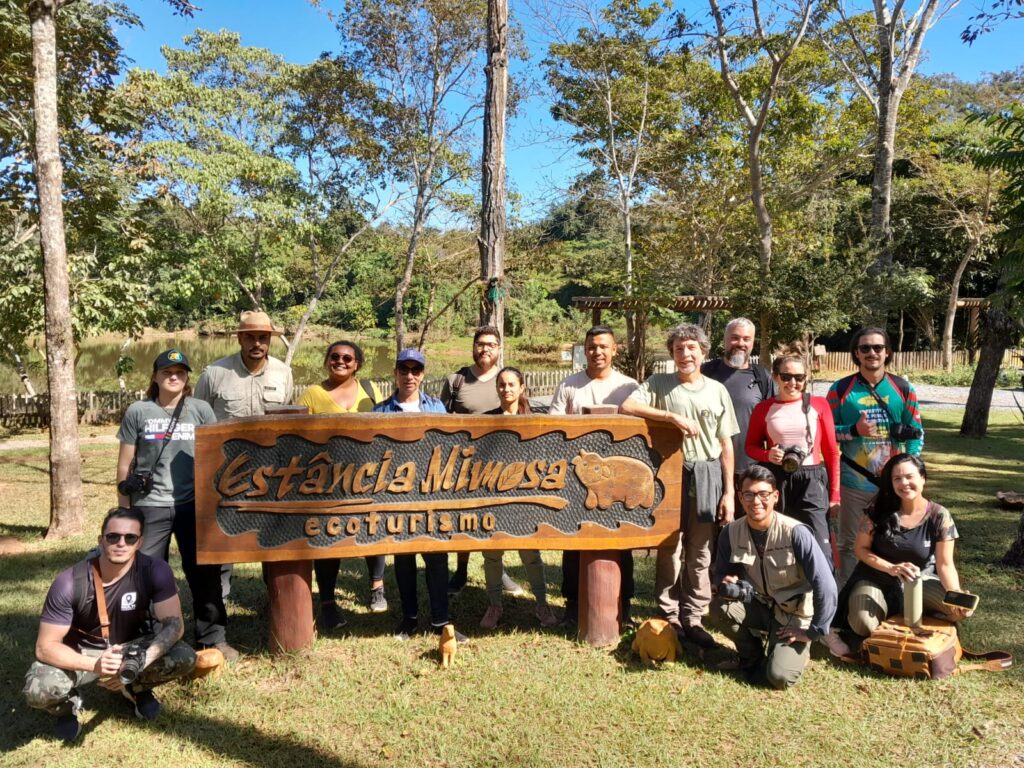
x: 233, y: 391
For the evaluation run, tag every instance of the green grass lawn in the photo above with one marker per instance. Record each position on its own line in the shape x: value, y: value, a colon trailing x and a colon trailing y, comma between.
x: 521, y: 696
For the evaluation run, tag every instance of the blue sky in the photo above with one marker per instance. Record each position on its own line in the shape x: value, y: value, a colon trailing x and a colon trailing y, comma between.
x: 539, y: 167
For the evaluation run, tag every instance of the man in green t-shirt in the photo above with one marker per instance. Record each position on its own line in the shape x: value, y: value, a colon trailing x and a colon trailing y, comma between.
x: 702, y: 410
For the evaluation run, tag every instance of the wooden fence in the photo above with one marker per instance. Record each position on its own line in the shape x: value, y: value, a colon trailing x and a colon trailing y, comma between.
x: 23, y: 411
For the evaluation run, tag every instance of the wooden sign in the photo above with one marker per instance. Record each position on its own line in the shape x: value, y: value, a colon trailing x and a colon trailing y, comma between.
x: 349, y: 485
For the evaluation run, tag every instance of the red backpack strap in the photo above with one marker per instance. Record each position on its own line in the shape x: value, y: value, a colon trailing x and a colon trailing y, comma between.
x: 101, y: 599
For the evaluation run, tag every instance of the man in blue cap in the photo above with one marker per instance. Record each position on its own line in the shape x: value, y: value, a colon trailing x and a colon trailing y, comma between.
x: 410, y: 368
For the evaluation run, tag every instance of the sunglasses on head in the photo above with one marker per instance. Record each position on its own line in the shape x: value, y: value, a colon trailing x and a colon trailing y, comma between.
x: 336, y: 356
x: 799, y: 378
x: 129, y: 538
x: 876, y: 348
x: 410, y: 370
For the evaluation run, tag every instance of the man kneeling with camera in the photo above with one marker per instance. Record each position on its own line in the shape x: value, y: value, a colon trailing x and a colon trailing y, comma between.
x: 775, y: 588
x: 106, y: 634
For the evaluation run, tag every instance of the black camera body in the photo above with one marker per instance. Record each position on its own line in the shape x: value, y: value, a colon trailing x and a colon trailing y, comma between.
x: 792, y: 458
x: 133, y: 660
x: 740, y: 591
x: 140, y: 483
x: 902, y: 433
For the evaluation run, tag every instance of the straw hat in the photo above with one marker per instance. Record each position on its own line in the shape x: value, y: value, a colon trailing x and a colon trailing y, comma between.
x: 256, y: 322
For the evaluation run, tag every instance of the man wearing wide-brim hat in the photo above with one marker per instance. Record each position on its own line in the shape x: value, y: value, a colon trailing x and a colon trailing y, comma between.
x: 244, y: 384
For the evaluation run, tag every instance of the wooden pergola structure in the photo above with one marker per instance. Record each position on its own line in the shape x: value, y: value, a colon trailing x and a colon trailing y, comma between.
x: 597, y: 304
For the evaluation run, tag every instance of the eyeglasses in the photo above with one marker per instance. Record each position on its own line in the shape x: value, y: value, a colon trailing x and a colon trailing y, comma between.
x: 131, y: 539
x: 799, y: 378
x: 485, y: 345
x: 410, y: 370
x: 762, y: 496
x: 876, y: 348
x: 343, y: 358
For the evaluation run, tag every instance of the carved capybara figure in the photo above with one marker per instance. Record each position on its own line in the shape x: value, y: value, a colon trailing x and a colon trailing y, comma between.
x: 614, y: 478
x: 447, y: 645
x: 655, y: 641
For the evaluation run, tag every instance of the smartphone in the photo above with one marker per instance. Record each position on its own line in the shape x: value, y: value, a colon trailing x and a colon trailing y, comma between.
x: 961, y: 600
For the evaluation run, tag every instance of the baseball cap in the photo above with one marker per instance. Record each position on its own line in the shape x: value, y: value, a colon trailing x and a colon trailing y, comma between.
x: 169, y: 358
x: 411, y: 355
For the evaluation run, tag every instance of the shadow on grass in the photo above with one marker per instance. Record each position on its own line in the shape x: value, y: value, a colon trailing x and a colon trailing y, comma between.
x: 219, y: 737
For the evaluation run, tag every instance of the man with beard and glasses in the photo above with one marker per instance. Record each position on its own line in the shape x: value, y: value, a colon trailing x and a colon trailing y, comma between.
x: 876, y: 417
x: 747, y: 384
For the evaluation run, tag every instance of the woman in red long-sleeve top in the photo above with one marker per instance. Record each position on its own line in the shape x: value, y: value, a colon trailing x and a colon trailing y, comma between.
x: 793, y: 434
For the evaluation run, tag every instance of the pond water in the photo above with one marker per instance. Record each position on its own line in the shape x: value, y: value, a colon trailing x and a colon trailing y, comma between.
x: 95, y: 368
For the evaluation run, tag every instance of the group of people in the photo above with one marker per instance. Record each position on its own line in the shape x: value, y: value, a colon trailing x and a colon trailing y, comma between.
x: 831, y: 516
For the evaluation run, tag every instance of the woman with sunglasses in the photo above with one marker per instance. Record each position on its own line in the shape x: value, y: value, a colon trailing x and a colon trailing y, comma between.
x: 343, y: 392
x: 793, y: 435
x: 156, y: 475
x: 902, y: 537
x: 512, y: 399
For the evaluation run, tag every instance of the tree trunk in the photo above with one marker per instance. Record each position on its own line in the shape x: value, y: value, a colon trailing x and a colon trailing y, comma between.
x: 492, y: 212
x: 429, y: 315
x: 999, y: 329
x: 899, y: 345
x: 67, y: 514
x: 954, y: 295
x: 405, y: 281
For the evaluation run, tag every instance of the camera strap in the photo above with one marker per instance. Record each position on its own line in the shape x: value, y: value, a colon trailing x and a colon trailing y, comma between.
x: 168, y: 432
x: 101, y: 599
x: 881, y: 402
x: 806, y: 406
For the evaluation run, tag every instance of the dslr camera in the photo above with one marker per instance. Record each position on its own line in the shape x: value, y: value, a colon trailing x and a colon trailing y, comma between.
x: 140, y: 483
x: 901, y: 433
x: 133, y: 659
x: 792, y: 458
x: 740, y: 591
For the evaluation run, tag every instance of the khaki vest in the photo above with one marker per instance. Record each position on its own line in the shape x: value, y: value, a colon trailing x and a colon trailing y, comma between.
x: 778, y: 574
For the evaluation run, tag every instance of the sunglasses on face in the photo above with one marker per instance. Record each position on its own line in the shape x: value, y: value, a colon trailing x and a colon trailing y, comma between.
x: 410, y: 370
x: 876, y: 348
x: 763, y: 496
x: 799, y: 378
x: 343, y: 358
x: 129, y: 538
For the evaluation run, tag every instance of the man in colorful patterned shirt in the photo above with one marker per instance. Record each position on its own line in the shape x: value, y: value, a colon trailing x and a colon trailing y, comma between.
x: 876, y: 416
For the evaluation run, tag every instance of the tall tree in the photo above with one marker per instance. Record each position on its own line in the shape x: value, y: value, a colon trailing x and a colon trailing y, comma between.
x: 880, y: 50
x: 614, y: 80
x: 752, y: 65
x: 422, y: 56
x: 492, y: 209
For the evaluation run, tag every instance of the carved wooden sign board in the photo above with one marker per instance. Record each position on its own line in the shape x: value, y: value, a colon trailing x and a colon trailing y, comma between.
x: 350, y: 485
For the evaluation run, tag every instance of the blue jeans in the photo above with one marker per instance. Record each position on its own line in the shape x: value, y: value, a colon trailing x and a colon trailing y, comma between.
x: 435, y: 569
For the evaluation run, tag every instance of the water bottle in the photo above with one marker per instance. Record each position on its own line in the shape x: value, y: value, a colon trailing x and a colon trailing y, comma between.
x: 913, y: 601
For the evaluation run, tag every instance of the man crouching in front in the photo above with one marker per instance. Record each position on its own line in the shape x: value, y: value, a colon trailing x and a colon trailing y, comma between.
x: 775, y: 589
x: 104, y: 635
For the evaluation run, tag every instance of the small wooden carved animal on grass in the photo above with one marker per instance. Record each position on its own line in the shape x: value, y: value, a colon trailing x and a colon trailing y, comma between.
x: 656, y: 641
x: 609, y: 479
x: 447, y: 645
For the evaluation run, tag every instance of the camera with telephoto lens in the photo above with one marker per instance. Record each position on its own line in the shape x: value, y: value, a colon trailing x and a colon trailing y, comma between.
x: 140, y: 483
x: 792, y: 458
x: 133, y: 659
x: 740, y: 591
x: 901, y: 433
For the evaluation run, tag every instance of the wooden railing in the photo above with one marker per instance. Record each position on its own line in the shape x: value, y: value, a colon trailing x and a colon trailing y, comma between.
x: 23, y: 411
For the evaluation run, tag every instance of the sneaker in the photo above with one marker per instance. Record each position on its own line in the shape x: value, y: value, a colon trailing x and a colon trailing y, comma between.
x: 378, y: 603
x: 331, y: 616
x: 491, y: 617
x: 408, y: 628
x: 458, y: 580
x: 510, y: 586
x: 835, y: 645
x: 67, y: 727
x: 699, y: 636
x: 145, y: 703
x: 459, y: 637
x: 572, y: 612
x: 545, y: 615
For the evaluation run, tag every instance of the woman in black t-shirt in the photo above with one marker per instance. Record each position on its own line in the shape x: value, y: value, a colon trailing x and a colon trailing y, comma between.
x: 902, y: 536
